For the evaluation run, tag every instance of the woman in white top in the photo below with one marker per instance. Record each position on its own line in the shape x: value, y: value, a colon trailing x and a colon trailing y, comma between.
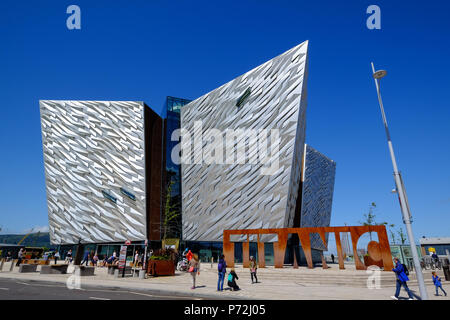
x: 136, y: 259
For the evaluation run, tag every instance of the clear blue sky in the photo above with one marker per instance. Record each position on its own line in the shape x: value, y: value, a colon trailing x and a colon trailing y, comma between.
x: 146, y: 50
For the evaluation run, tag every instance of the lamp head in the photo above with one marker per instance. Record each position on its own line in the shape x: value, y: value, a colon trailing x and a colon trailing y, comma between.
x: 379, y: 74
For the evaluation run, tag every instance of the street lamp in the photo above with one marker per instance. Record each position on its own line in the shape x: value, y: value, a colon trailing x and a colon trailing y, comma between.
x: 400, y: 188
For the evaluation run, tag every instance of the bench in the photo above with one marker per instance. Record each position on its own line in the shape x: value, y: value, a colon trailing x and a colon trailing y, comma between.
x: 54, y: 269
x: 23, y: 268
x: 112, y: 270
x: 84, y: 271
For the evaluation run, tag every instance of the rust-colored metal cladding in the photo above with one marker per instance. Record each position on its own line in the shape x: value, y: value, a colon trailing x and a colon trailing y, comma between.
x: 295, y: 260
x: 339, y: 250
x: 228, y: 252
x: 379, y: 252
x: 321, y: 232
x: 374, y: 251
x: 261, y: 255
x: 324, y: 263
x: 279, y: 248
x: 385, y: 249
x: 305, y: 241
x: 246, y: 253
x: 375, y: 257
x: 355, y: 234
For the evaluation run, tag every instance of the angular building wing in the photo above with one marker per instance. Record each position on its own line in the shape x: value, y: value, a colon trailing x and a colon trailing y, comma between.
x: 317, y: 192
x: 216, y: 196
x: 95, y: 170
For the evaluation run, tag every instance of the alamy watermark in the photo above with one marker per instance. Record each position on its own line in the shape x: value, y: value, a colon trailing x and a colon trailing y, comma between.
x: 74, y: 20
x: 374, y: 20
x: 74, y: 281
x: 374, y: 279
x: 229, y: 147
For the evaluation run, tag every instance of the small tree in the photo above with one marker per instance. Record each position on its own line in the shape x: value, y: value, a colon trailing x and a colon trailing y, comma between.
x: 391, y: 231
x: 369, y: 219
x: 171, y: 214
x: 401, y: 235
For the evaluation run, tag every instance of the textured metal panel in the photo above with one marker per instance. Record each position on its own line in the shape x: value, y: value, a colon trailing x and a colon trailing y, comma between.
x: 91, y: 147
x: 233, y: 196
x: 317, y: 195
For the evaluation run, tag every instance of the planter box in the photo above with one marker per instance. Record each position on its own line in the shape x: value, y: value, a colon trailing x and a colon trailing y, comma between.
x: 27, y: 268
x: 84, y: 271
x: 36, y: 261
x: 55, y: 269
x: 161, y: 268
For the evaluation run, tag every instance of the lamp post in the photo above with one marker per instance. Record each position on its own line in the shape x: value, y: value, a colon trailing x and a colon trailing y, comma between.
x: 403, y: 199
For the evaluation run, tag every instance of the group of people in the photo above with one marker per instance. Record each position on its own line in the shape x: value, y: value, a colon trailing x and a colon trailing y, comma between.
x: 194, y: 269
x: 21, y: 255
x: 402, y: 273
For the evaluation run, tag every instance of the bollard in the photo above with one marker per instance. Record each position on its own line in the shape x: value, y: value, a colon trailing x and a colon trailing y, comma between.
x: 142, y: 274
x: 116, y: 273
x: 1, y: 264
x: 135, y: 273
x: 12, y: 265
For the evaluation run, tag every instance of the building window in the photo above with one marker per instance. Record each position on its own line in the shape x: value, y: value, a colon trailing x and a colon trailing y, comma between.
x: 243, y: 97
x: 128, y: 194
x: 109, y: 196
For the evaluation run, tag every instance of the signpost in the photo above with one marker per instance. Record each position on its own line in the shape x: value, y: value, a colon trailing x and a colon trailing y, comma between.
x: 144, y: 261
x: 123, y: 259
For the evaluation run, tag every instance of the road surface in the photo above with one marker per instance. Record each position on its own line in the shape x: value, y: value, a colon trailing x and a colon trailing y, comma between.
x: 14, y: 289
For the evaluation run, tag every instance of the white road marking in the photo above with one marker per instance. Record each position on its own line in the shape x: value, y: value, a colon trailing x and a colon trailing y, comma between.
x: 141, y: 293
x: 96, y: 298
x: 110, y: 291
x: 4, y: 288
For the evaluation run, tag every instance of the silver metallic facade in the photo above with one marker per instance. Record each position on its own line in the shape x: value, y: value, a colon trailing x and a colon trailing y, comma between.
x: 237, y: 196
x: 317, y: 192
x: 92, y: 150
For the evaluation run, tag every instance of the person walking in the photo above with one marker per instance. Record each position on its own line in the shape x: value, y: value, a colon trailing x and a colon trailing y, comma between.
x: 56, y: 256
x: 194, y: 268
x: 189, y: 255
x: 222, y: 270
x: 253, y: 267
x: 332, y: 258
x: 95, y: 259
x: 85, y: 258
x: 437, y: 283
x: 402, y: 278
x: 69, y: 256
x: 136, y: 259
x: 20, y: 257
x: 232, y: 277
x: 435, y: 258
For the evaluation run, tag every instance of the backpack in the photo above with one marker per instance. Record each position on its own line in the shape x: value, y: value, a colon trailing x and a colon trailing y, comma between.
x: 405, y: 269
x: 220, y: 267
x: 230, y: 277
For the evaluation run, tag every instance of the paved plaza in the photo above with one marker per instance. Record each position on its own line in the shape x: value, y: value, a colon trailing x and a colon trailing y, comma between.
x: 287, y: 283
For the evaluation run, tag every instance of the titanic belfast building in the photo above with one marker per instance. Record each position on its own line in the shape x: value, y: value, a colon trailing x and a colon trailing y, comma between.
x: 234, y: 158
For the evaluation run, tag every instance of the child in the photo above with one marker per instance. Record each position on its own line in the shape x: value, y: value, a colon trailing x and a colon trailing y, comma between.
x: 437, y: 283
